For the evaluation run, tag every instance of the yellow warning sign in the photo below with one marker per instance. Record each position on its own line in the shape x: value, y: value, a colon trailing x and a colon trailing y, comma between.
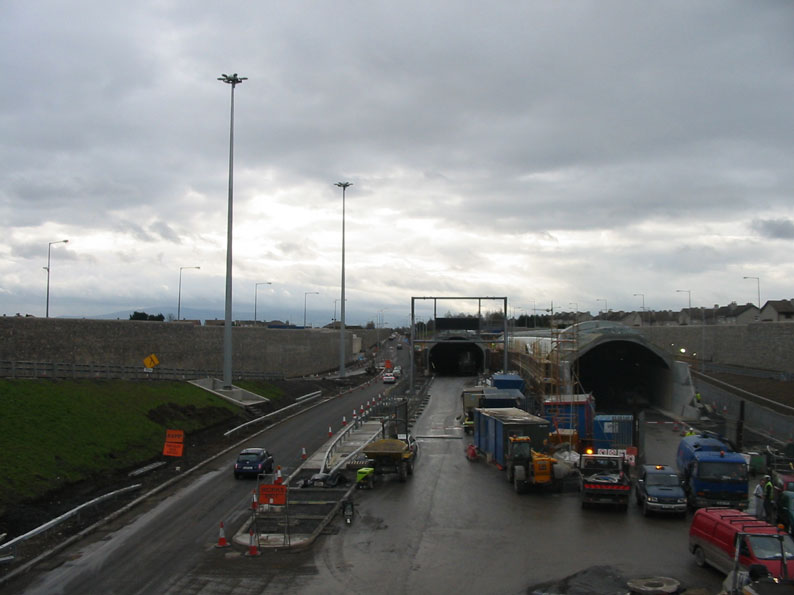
x: 151, y: 361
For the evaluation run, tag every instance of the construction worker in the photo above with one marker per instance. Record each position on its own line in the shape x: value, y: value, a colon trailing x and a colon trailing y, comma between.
x: 690, y: 431
x: 758, y: 499
x: 769, y: 500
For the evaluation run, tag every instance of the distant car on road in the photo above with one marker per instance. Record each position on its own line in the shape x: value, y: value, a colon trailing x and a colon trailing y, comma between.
x: 398, y: 370
x: 253, y: 461
x: 389, y: 378
x: 659, y: 489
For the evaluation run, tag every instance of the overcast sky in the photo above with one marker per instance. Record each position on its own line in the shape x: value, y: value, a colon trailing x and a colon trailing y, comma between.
x: 574, y: 153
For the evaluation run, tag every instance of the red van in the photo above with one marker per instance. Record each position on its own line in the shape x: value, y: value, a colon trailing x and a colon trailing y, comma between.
x: 713, y: 537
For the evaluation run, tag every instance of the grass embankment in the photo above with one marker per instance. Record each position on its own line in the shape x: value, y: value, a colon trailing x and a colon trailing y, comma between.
x: 58, y: 432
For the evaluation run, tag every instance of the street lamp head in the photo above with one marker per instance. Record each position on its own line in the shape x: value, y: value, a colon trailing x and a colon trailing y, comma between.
x: 344, y: 185
x: 233, y: 79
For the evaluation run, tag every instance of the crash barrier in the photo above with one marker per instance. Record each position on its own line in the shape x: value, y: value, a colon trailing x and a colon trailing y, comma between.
x: 298, y: 402
x: 14, y: 369
x: 66, y: 516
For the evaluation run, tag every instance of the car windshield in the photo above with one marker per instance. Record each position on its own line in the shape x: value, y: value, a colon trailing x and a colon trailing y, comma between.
x: 666, y: 480
x: 767, y: 547
x: 719, y: 470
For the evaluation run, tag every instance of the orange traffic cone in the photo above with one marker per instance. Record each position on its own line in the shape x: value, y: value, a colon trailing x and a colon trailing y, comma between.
x: 254, y: 503
x: 253, y: 550
x: 330, y: 432
x: 344, y: 421
x: 303, y: 453
x: 222, y: 538
x: 279, y: 480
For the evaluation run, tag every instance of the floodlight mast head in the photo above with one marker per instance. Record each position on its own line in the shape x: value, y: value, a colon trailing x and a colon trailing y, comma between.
x: 233, y: 79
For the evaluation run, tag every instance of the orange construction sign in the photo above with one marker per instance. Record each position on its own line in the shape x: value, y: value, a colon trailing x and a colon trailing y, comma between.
x: 174, y: 443
x: 272, y: 494
x: 173, y: 449
x: 175, y: 436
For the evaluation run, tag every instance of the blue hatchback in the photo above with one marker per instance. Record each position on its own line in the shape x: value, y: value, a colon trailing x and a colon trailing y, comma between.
x: 659, y: 489
x: 253, y: 461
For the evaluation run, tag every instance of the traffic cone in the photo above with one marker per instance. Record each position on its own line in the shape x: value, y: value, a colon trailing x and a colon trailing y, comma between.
x: 330, y: 432
x: 253, y: 550
x: 279, y: 480
x: 361, y: 409
x: 354, y: 416
x: 344, y: 421
x: 222, y: 538
x: 303, y: 453
x: 254, y: 503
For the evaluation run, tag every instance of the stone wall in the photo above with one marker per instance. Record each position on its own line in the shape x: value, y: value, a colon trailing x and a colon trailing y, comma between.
x: 287, y: 352
x: 766, y: 346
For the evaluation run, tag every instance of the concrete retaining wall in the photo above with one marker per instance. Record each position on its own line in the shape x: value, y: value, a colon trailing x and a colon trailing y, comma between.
x: 766, y: 346
x: 286, y: 352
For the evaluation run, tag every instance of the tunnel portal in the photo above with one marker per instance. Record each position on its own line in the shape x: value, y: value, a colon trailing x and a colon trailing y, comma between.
x: 623, y: 376
x: 456, y: 356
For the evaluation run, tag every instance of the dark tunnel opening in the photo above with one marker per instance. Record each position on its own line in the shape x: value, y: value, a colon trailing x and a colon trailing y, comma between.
x: 623, y: 376
x: 456, y: 357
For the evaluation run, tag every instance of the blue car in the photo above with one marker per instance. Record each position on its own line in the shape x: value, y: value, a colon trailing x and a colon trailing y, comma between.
x: 659, y: 489
x: 253, y: 461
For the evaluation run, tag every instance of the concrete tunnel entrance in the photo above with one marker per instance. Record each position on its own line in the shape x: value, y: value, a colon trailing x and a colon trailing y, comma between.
x: 624, y: 376
x: 456, y: 357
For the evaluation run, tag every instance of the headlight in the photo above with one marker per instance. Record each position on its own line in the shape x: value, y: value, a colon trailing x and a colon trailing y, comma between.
x: 681, y: 500
x: 653, y: 499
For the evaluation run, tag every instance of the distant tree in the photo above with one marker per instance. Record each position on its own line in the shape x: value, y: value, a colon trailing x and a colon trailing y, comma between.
x: 145, y: 316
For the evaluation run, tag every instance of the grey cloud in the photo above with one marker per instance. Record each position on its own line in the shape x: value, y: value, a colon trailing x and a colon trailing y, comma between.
x: 776, y: 229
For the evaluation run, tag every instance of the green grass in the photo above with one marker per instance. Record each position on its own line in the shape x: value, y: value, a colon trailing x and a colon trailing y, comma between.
x: 57, y: 432
x: 262, y: 388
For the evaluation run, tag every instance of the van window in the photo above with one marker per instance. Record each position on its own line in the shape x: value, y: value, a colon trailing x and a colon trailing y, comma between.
x: 718, y: 470
x: 767, y: 547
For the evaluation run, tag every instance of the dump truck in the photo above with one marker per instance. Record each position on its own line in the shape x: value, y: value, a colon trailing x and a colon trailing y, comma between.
x: 515, y: 441
x: 394, y: 453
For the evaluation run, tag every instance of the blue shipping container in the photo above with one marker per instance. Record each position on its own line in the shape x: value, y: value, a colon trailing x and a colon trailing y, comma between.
x: 493, y: 427
x: 613, y: 432
x: 571, y: 412
x: 507, y: 381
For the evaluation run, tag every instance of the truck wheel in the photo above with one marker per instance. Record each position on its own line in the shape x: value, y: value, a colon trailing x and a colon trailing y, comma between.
x: 403, y: 471
x: 700, y: 557
x: 410, y: 467
x: 645, y: 510
x: 518, y: 486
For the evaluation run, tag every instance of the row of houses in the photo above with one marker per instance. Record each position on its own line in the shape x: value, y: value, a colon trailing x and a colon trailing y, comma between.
x: 733, y: 313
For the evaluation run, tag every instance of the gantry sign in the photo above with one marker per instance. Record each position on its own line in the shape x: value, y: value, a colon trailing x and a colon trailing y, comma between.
x: 436, y: 326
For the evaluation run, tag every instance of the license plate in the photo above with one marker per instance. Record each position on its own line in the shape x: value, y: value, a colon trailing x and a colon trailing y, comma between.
x: 723, y: 503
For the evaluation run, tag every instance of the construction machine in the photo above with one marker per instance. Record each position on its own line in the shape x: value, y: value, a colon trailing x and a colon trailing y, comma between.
x: 527, y: 467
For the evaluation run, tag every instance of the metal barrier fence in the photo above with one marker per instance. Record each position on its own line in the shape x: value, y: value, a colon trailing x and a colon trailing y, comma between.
x: 62, y: 370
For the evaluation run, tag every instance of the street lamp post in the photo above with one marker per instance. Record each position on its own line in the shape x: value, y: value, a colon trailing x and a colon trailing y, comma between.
x: 179, y: 299
x: 344, y: 186
x: 306, y: 293
x: 758, y: 285
x: 606, y: 309
x: 232, y: 80
x: 642, y: 295
x: 689, y: 294
x: 256, y: 291
x: 47, y: 268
